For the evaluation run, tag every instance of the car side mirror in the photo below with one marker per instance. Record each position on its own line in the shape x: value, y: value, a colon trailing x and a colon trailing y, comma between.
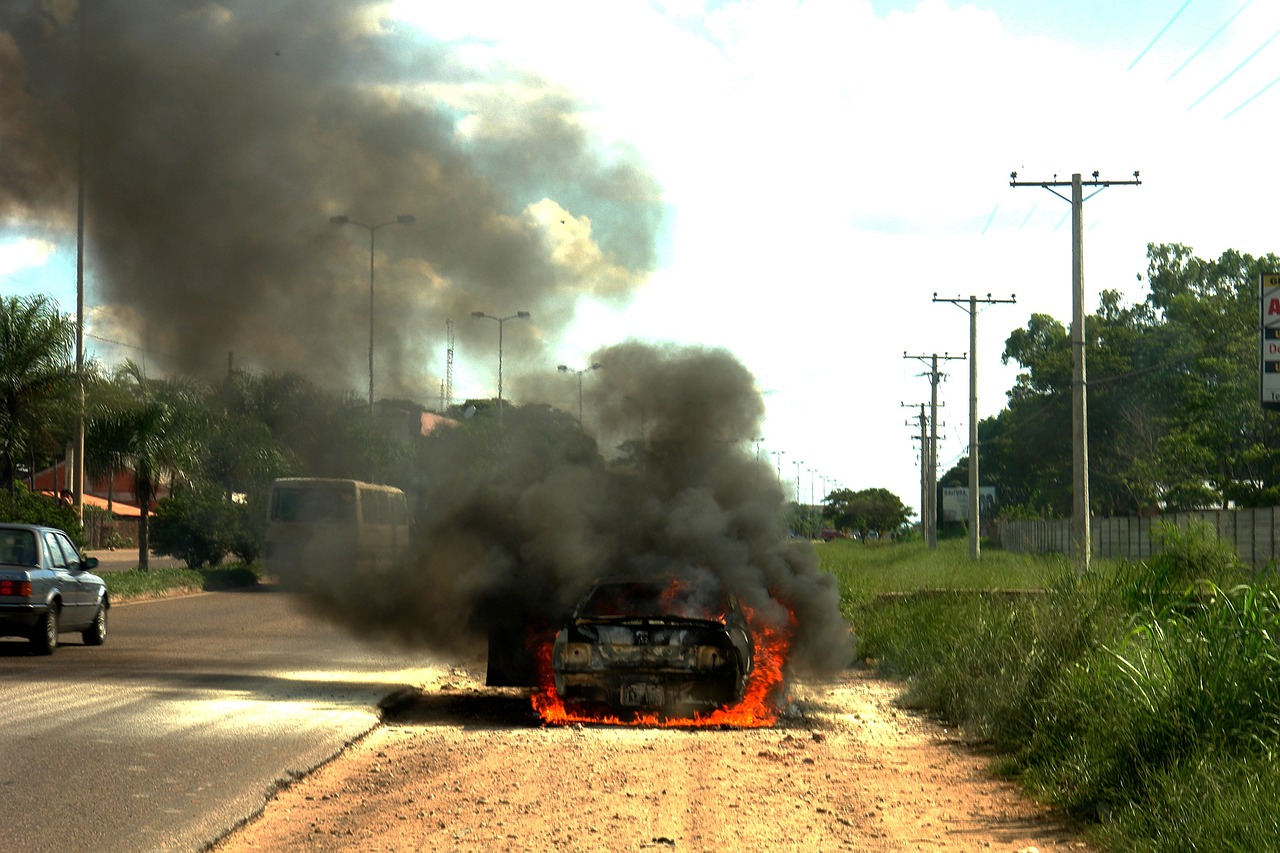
x: 89, y: 563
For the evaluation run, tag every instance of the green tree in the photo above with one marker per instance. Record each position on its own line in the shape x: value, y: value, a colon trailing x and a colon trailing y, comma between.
x: 152, y: 427
x: 1174, y: 420
x: 319, y: 433
x: 868, y: 510
x: 37, y: 378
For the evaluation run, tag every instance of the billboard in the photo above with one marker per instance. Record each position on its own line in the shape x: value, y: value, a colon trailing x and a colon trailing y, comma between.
x: 955, y: 502
x: 1269, y: 324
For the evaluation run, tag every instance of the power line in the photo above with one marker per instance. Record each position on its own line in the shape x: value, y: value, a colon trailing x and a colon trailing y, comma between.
x: 1233, y: 71
x: 1160, y: 34
x: 1209, y: 41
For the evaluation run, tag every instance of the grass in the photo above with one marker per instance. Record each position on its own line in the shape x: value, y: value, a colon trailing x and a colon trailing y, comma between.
x: 1143, y: 699
x: 133, y: 584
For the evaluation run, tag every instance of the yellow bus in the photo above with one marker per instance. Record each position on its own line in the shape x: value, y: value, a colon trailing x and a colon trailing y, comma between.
x: 318, y: 526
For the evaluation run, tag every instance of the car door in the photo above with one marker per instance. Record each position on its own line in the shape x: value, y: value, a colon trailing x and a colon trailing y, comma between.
x: 86, y: 588
x: 61, y: 563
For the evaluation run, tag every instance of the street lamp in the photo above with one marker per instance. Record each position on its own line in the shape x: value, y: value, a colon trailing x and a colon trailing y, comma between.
x: 564, y: 368
x: 403, y: 219
x: 519, y: 315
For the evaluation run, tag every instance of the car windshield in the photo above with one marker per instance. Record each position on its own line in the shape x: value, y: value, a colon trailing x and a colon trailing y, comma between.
x: 666, y: 599
x: 17, y: 547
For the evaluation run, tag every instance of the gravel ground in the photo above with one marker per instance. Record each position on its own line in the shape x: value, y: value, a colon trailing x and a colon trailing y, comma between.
x: 460, y: 767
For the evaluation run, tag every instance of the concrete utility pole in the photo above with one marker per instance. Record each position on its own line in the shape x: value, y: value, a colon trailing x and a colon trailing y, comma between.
x: 975, y: 547
x: 77, y: 475
x: 1081, y: 538
x: 922, y: 420
x: 934, y: 378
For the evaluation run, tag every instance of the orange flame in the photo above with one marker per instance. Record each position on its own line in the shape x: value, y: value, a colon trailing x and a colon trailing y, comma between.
x: 758, y: 707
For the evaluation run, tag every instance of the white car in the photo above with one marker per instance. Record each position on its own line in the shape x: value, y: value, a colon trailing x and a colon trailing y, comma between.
x: 46, y: 588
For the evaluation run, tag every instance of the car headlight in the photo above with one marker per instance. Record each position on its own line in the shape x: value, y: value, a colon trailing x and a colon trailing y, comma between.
x: 573, y: 655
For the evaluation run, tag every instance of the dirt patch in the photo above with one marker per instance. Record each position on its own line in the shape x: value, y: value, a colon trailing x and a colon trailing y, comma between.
x: 459, y: 767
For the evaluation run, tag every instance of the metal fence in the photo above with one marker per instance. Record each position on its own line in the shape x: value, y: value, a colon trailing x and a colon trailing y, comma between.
x: 1255, y: 533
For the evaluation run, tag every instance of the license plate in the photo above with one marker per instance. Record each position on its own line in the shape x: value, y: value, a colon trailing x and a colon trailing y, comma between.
x: 642, y: 695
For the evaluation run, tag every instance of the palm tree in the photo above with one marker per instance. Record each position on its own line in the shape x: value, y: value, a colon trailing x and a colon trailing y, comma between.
x: 37, y: 376
x: 152, y: 429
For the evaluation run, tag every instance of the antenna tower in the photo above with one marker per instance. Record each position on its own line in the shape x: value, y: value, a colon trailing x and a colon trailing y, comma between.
x: 448, y: 367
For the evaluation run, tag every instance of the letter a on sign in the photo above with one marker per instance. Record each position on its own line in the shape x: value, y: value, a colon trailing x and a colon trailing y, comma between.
x: 1273, y: 307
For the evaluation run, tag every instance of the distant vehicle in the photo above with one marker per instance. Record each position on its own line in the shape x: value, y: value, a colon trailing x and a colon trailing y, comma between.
x: 342, y: 524
x: 828, y: 534
x: 46, y: 588
x: 669, y: 645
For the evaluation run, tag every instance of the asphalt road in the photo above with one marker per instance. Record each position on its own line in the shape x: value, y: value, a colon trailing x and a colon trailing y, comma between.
x: 183, y: 723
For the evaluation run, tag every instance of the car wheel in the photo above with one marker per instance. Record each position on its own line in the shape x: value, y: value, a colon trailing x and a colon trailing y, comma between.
x: 96, y: 634
x: 45, y: 636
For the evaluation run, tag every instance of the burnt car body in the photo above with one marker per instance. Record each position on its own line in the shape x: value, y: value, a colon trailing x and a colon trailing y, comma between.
x: 670, y: 646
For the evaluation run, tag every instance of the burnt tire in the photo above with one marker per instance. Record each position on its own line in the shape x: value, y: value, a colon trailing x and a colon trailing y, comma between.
x: 44, y: 639
x: 96, y: 634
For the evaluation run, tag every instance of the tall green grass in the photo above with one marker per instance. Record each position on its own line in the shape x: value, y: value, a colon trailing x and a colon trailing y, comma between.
x: 1144, y: 698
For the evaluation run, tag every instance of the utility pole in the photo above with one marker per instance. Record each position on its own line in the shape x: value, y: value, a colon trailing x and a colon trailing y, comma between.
x: 77, y: 474
x: 934, y: 378
x: 1081, y: 538
x: 923, y: 421
x: 975, y: 547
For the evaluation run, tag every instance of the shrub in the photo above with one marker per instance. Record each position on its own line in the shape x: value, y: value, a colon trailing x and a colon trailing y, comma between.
x: 195, y: 525
x: 25, y: 507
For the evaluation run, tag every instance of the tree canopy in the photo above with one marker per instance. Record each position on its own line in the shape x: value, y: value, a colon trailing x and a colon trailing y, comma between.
x: 1174, y: 417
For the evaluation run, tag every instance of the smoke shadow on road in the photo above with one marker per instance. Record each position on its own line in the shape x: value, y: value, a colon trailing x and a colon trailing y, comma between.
x: 494, y: 708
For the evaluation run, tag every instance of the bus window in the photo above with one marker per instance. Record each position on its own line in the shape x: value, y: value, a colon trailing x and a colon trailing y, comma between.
x: 307, y: 504
x: 374, y: 505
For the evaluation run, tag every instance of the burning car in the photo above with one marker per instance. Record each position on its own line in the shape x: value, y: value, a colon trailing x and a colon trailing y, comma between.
x: 670, y: 646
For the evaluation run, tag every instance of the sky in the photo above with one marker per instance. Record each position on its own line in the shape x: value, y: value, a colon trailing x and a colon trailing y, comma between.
x: 824, y: 168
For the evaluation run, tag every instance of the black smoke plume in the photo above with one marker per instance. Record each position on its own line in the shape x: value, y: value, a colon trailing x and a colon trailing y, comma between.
x: 517, y: 520
x: 221, y: 137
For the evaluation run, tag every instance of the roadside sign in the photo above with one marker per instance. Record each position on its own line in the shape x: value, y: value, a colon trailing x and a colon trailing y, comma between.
x: 1269, y: 325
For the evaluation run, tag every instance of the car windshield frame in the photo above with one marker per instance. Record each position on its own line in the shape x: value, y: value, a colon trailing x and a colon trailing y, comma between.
x: 654, y: 600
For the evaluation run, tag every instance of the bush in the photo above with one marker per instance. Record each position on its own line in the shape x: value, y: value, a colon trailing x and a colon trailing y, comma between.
x: 198, y: 526
x: 24, y: 507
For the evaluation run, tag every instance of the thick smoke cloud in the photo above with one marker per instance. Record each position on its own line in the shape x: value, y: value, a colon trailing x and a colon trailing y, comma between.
x: 516, y: 521
x: 220, y: 137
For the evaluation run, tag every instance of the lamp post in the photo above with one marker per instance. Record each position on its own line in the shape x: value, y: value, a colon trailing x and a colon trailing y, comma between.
x: 519, y: 315
x: 564, y: 368
x: 403, y: 219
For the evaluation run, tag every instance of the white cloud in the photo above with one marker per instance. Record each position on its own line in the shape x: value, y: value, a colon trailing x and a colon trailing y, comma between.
x: 23, y: 254
x: 830, y: 169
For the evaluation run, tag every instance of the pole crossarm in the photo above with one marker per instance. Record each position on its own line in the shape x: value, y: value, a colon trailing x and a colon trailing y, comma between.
x: 965, y: 302
x: 1100, y: 183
